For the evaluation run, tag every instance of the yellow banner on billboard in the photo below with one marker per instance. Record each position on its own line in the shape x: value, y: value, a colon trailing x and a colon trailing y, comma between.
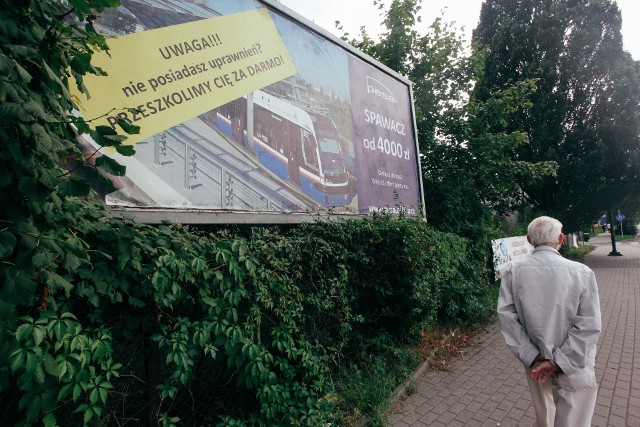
x: 172, y: 74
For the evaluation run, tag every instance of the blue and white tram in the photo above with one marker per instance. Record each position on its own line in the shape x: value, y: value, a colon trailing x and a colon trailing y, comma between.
x: 299, y: 146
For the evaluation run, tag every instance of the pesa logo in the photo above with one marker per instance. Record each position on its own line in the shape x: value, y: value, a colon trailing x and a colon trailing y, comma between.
x: 380, y: 90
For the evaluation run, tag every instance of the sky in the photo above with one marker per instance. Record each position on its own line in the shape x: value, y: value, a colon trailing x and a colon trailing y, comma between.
x: 354, y: 14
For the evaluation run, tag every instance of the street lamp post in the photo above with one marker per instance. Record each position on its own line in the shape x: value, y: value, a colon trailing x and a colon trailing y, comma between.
x: 613, y: 252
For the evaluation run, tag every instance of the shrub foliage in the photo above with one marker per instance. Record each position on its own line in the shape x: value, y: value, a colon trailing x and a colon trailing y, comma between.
x: 97, y: 310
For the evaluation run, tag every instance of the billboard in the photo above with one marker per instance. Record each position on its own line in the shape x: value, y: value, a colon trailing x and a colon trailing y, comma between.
x: 246, y: 109
x: 506, y: 250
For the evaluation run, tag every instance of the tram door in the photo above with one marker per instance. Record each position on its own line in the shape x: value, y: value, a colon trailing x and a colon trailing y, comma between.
x: 293, y: 161
x: 238, y: 112
x: 310, y: 152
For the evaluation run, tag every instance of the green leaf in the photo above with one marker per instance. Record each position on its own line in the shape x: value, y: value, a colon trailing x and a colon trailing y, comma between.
x: 100, y: 350
x: 135, y: 302
x: 7, y: 243
x: 107, y: 137
x: 6, y: 64
x: 71, y: 262
x: 42, y: 259
x: 103, y: 395
x: 129, y: 128
x: 24, y: 75
x: 38, y: 374
x: 58, y: 328
x: 68, y: 315
x: 18, y: 359
x: 80, y: 6
x: 33, y: 189
x: 77, y: 390
x: 34, y: 407
x: 81, y: 62
x: 81, y: 407
x: 55, y: 78
x: 56, y: 281
x: 110, y: 166
x: 75, y: 187
x: 18, y: 290
x: 66, y: 369
x: 35, y: 110
x: 126, y: 150
x: 108, y: 3
x: 38, y: 335
x: 65, y: 391
x: 49, y: 420
x: 88, y: 415
x: 50, y: 365
x: 24, y: 332
x: 103, y: 180
x: 81, y: 125
x: 94, y: 396
x: 199, y: 263
x: 11, y: 111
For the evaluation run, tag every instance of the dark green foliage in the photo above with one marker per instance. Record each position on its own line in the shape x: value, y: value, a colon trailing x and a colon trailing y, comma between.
x: 629, y: 226
x: 216, y: 298
x: 51, y: 352
x: 369, y: 384
x: 274, y: 315
x: 470, y: 171
x: 584, y: 114
x: 104, y: 320
x: 403, y: 275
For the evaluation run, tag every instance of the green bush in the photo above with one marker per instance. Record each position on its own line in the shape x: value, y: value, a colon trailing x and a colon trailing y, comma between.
x: 403, y: 275
x: 628, y: 228
x: 274, y: 315
x: 105, y: 320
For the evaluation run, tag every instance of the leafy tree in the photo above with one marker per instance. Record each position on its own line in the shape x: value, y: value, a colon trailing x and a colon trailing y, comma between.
x: 467, y: 149
x: 584, y: 114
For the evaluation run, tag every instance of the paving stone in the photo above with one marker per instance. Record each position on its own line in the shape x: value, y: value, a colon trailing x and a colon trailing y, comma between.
x: 487, y: 386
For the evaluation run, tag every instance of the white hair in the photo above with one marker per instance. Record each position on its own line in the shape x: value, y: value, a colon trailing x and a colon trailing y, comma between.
x: 544, y: 230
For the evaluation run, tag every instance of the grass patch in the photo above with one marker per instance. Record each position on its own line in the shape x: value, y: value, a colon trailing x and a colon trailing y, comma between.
x: 365, y: 389
x: 411, y: 387
x: 625, y: 237
x: 577, y: 254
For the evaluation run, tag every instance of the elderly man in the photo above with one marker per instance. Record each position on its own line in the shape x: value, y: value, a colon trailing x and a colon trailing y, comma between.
x: 549, y: 314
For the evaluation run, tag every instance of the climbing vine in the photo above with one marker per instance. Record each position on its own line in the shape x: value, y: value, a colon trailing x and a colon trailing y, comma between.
x: 101, y: 316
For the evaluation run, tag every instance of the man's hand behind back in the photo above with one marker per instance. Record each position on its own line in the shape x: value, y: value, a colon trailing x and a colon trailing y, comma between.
x: 543, y: 370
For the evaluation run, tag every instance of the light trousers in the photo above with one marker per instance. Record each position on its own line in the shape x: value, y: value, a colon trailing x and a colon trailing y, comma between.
x: 567, y: 402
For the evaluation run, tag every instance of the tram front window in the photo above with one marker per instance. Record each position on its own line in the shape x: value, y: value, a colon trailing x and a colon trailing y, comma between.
x: 331, y: 159
x: 326, y: 130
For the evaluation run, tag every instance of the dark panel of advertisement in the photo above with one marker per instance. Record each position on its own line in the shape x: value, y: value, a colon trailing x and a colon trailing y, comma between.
x: 244, y: 109
x: 383, y: 140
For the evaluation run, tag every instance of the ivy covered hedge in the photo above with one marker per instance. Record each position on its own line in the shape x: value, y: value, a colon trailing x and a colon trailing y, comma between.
x: 274, y: 314
x: 103, y: 320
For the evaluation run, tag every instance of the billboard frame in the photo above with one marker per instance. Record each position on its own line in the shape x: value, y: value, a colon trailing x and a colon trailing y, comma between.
x: 156, y: 215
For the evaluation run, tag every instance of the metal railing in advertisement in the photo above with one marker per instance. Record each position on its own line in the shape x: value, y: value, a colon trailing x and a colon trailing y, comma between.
x: 201, y: 169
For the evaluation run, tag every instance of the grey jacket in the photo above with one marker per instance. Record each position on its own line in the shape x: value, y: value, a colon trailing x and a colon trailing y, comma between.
x: 550, y: 305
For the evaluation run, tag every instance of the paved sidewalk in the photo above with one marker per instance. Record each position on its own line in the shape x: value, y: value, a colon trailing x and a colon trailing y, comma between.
x: 487, y: 386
